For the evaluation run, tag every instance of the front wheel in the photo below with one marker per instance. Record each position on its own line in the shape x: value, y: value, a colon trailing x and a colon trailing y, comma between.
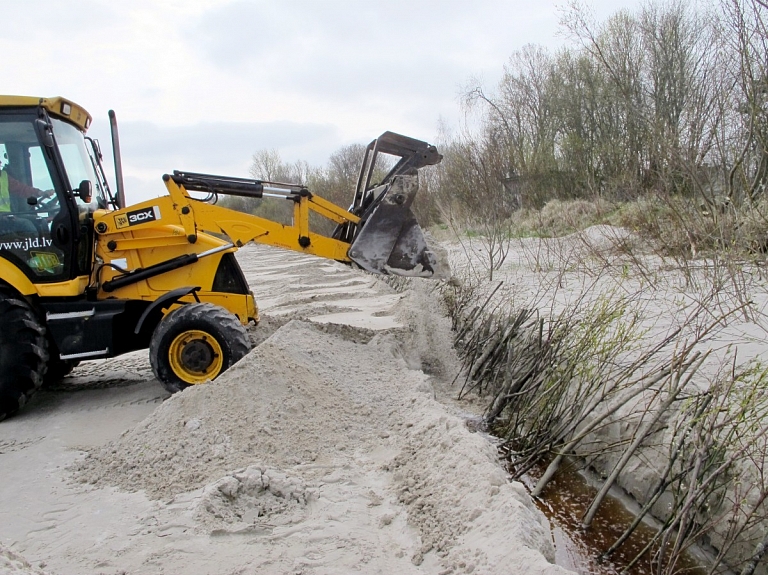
x: 194, y: 344
x: 23, y: 353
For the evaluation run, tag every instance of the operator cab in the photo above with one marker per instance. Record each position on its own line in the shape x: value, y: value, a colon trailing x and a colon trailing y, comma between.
x: 51, y: 182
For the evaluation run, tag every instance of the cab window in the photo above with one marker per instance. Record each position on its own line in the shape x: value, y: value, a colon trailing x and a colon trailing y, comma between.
x: 41, y: 178
x: 78, y: 164
x: 28, y: 203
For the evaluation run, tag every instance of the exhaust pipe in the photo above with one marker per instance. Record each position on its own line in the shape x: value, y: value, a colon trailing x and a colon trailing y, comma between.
x: 118, y: 161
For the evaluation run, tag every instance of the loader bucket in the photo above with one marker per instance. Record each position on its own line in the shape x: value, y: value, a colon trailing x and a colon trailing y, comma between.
x: 390, y: 241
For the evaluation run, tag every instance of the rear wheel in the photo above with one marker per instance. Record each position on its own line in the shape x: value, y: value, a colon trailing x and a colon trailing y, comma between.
x: 23, y: 353
x: 196, y: 343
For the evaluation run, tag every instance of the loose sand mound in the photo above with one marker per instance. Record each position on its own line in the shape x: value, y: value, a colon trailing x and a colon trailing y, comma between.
x: 13, y: 564
x: 339, y: 443
x: 278, y: 406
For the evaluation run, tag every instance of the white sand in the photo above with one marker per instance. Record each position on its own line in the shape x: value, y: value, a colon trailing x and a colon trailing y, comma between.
x: 323, y: 451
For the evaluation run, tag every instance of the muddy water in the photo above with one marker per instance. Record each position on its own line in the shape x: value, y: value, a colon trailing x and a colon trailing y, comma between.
x: 564, y: 502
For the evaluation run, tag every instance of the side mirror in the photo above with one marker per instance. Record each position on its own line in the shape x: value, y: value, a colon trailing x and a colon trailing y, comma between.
x: 85, y: 191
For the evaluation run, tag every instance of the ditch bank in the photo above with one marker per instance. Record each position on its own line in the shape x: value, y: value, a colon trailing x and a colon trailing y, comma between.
x: 648, y: 375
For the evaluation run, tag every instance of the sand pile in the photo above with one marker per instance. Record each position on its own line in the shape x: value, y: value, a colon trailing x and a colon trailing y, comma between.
x: 13, y: 564
x: 328, y: 438
x: 270, y: 408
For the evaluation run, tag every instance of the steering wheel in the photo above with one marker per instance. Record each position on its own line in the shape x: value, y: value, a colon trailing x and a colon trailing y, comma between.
x: 43, y: 202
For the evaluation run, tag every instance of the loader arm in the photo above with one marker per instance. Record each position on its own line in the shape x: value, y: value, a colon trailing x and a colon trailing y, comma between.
x: 378, y: 232
x: 384, y: 239
x: 198, y: 216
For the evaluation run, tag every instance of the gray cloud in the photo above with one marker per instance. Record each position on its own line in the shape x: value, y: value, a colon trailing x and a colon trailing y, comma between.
x: 345, y: 50
x: 218, y: 143
x: 149, y: 150
x: 43, y: 23
x: 237, y: 33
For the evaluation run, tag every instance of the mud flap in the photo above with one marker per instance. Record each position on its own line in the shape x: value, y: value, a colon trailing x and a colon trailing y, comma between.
x: 390, y: 240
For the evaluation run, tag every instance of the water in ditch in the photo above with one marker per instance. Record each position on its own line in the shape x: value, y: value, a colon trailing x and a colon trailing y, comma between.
x: 564, y: 502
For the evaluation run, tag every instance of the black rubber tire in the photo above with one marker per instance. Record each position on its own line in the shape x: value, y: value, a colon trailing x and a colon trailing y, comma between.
x: 229, y: 335
x: 58, y: 369
x: 23, y: 353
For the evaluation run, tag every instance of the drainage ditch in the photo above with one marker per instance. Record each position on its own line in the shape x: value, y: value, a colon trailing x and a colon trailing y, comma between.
x: 564, y: 502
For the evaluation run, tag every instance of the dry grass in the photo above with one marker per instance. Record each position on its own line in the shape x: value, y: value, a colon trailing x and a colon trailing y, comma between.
x: 559, y: 217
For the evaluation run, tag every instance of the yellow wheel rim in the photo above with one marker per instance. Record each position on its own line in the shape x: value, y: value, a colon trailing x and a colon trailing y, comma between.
x: 195, y: 356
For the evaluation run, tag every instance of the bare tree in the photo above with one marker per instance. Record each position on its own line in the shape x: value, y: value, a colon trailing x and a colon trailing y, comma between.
x: 474, y: 200
x: 745, y: 20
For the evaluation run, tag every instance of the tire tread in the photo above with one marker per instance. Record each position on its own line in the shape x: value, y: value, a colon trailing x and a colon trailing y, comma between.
x: 24, y: 357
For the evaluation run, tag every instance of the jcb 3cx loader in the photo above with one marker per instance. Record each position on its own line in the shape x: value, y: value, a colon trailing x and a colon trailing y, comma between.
x: 85, y: 276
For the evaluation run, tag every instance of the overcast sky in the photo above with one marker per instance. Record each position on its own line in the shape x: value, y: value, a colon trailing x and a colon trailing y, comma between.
x: 201, y: 85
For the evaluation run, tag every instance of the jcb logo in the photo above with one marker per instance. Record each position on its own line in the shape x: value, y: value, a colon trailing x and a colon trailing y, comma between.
x: 121, y: 221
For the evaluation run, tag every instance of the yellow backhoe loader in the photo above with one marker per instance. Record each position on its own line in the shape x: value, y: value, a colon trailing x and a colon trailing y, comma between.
x: 85, y: 276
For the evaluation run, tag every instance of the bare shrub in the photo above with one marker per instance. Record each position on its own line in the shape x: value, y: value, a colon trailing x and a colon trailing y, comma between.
x: 558, y: 378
